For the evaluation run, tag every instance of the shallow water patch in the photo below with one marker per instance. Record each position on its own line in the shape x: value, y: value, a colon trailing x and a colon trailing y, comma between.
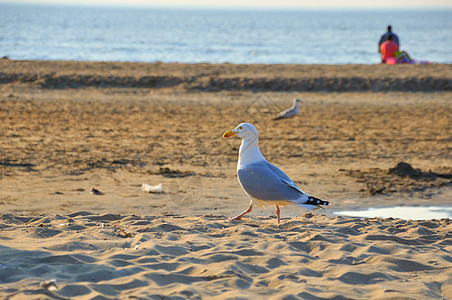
x: 402, y: 212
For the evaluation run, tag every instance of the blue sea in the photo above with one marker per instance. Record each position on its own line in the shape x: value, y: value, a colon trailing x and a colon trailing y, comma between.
x: 219, y: 36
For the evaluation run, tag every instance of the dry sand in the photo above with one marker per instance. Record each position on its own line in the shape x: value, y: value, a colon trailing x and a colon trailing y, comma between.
x: 68, y: 127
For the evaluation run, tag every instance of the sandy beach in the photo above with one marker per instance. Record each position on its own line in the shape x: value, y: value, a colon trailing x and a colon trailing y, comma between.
x: 366, y: 136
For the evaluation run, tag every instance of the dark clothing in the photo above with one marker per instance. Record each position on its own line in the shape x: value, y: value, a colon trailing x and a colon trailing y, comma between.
x: 385, y: 36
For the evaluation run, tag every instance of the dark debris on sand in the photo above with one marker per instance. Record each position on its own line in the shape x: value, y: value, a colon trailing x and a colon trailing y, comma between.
x: 401, y: 178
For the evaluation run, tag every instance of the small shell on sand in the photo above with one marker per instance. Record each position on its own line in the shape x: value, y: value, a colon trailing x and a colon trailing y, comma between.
x: 50, y: 285
x: 96, y: 192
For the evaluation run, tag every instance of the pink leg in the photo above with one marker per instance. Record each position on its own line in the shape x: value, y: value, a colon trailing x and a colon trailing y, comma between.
x: 238, y: 217
x: 277, y: 213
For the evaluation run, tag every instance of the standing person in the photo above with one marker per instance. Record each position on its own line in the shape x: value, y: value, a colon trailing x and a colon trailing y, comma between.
x: 384, y: 37
x: 388, y: 48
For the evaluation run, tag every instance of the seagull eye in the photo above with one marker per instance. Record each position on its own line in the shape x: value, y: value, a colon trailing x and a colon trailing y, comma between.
x: 240, y: 127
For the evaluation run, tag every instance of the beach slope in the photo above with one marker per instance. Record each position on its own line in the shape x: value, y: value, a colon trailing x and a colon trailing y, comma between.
x: 78, y: 140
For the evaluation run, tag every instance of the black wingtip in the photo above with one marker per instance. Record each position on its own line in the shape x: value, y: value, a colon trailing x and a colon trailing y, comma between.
x: 316, y: 201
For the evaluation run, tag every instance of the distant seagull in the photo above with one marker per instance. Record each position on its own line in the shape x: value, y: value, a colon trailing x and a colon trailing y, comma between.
x: 290, y: 112
x: 264, y: 183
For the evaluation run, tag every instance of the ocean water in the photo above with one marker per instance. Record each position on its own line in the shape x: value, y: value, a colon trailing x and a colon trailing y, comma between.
x: 217, y: 36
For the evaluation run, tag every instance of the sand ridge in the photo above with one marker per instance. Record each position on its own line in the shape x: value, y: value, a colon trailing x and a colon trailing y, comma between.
x: 230, y: 77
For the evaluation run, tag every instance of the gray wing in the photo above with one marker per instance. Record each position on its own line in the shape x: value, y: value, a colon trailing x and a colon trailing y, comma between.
x: 291, y: 112
x: 264, y: 181
x: 283, y: 176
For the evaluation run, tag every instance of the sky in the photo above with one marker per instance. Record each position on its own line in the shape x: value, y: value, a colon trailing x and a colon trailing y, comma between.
x: 262, y: 4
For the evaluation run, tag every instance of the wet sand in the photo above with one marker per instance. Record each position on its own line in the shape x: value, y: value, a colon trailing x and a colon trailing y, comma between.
x: 69, y: 127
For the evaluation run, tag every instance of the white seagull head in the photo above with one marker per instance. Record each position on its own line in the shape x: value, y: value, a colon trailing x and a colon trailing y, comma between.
x: 245, y: 130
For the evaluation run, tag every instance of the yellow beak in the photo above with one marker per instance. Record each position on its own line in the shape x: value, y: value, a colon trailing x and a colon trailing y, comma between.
x: 228, y: 134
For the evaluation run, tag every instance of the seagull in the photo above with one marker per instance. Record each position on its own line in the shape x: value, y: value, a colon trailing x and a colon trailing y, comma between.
x: 264, y: 183
x: 290, y: 112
